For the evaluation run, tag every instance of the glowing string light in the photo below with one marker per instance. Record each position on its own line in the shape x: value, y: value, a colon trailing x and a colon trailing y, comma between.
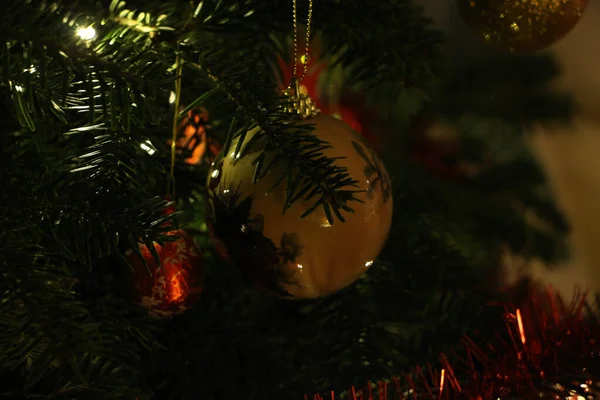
x: 87, y: 33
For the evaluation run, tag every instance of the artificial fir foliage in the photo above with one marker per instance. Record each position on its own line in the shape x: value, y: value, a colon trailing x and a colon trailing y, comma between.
x: 91, y: 96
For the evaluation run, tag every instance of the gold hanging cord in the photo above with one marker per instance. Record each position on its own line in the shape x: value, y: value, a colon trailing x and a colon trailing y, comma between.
x: 305, y: 58
x: 300, y: 104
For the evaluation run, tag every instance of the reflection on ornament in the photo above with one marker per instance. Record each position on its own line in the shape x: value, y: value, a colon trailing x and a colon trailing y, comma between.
x: 522, y: 25
x: 193, y: 143
x: 172, y: 287
x: 286, y: 255
x: 346, y: 115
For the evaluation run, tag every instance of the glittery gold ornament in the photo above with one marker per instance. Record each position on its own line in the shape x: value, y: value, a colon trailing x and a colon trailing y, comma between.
x: 522, y: 26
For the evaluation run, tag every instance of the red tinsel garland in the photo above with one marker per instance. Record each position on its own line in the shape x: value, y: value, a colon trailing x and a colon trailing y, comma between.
x: 547, y: 349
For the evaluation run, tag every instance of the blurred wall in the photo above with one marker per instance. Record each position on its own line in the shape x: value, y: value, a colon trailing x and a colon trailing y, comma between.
x: 571, y: 156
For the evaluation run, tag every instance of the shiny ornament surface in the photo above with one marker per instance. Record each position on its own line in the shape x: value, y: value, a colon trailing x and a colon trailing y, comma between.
x: 522, y: 26
x: 170, y: 288
x: 292, y: 257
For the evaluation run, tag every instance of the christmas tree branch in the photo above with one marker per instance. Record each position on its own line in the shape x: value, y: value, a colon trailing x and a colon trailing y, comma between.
x: 399, y: 51
x: 514, y: 89
x: 61, y: 345
x: 100, y: 82
x: 90, y: 203
x: 237, y: 33
x: 293, y: 151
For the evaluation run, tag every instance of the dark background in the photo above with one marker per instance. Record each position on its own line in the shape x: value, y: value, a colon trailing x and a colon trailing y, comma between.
x: 571, y: 156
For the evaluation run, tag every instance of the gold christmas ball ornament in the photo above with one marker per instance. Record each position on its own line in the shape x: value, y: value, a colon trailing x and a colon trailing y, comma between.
x: 522, y: 26
x: 282, y: 253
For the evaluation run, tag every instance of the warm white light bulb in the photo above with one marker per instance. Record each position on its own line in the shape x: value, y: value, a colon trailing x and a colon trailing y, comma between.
x: 87, y: 33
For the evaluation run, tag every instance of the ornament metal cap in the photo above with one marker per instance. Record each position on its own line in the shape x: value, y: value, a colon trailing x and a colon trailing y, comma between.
x: 297, y: 103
